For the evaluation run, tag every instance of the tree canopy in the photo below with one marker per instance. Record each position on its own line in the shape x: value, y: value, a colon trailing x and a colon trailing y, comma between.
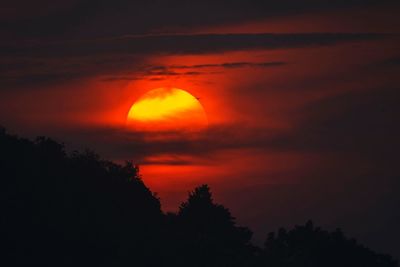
x: 75, y: 209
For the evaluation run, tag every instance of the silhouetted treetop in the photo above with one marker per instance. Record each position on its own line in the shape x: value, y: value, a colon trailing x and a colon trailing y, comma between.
x: 311, y: 246
x: 210, y: 229
x: 202, y: 212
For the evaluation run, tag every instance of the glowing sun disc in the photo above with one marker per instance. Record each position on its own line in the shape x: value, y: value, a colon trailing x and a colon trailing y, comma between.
x: 167, y: 109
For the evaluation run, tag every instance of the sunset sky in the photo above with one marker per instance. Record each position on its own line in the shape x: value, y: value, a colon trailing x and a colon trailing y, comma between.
x: 301, y: 100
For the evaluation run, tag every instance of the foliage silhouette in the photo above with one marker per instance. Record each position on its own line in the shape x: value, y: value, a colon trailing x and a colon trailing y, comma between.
x: 310, y: 246
x: 208, y: 233
x: 60, y: 209
x: 72, y: 210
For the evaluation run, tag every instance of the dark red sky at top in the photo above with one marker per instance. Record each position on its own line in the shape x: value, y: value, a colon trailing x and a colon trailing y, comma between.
x: 302, y: 99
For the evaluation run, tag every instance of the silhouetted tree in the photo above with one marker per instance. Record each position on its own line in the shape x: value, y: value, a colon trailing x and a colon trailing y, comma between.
x: 210, y: 234
x: 310, y: 246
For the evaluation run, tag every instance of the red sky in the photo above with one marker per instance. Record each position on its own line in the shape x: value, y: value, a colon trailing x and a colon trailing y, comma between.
x: 302, y: 100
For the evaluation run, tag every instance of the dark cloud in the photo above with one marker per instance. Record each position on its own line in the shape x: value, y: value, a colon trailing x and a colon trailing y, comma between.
x: 33, y: 72
x: 389, y: 62
x: 228, y: 65
x: 189, y: 70
x: 32, y: 63
x: 359, y: 121
x: 181, y: 44
x: 100, y: 18
x: 119, y: 143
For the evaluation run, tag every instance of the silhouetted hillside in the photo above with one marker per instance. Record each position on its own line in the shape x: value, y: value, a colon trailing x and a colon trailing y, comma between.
x: 79, y: 210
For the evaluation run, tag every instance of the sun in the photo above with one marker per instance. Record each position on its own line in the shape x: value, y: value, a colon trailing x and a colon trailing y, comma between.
x: 167, y: 109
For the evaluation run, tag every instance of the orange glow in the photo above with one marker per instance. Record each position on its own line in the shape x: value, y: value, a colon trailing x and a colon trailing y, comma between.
x: 167, y: 109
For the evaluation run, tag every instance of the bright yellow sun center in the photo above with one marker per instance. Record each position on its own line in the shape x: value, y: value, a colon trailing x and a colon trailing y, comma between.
x: 167, y: 109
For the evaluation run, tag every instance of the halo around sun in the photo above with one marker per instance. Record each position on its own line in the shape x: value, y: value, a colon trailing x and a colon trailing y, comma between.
x: 167, y: 109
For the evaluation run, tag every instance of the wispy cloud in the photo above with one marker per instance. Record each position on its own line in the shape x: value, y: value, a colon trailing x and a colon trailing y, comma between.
x: 163, y: 72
